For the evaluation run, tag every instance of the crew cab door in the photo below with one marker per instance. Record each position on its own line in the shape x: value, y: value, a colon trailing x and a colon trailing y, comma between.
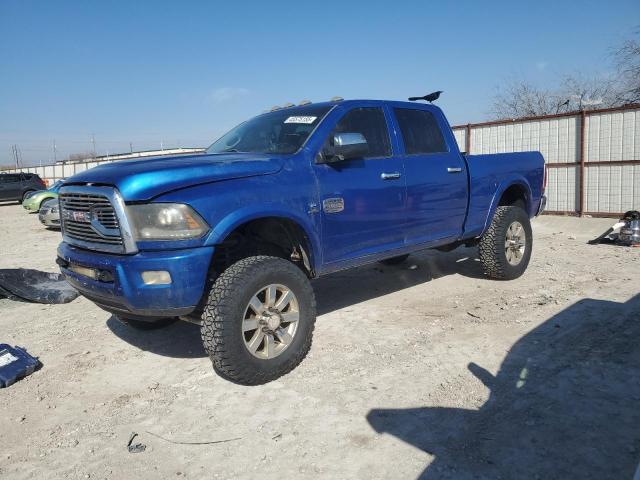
x: 436, y: 176
x: 362, y: 200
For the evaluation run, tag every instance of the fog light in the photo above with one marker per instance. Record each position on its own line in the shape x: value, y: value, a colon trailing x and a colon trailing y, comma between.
x: 156, y: 277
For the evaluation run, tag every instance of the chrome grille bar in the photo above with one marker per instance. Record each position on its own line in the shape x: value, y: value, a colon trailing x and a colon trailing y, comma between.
x: 94, y: 218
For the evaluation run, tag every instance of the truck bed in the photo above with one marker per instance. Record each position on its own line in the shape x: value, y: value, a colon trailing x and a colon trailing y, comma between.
x: 491, y: 174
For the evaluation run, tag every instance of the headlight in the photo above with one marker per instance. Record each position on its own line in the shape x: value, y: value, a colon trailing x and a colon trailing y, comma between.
x: 165, y: 221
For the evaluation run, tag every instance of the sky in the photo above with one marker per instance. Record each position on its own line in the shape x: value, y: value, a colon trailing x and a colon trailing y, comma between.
x: 181, y: 73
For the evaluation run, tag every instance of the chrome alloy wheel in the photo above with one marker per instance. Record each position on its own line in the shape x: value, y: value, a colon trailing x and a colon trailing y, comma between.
x: 515, y: 243
x: 270, y: 321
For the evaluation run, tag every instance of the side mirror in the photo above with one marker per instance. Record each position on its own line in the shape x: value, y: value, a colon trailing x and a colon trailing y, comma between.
x: 345, y: 147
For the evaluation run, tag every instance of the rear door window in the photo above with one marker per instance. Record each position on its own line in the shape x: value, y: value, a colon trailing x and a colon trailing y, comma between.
x: 420, y: 131
x: 11, y: 178
x: 370, y: 122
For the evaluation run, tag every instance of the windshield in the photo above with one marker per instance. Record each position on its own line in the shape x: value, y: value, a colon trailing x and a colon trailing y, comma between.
x: 281, y: 132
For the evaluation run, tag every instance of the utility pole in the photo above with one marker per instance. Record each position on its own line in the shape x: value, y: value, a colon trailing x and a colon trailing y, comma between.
x: 93, y: 142
x: 55, y: 151
x: 17, y: 155
x: 130, y: 147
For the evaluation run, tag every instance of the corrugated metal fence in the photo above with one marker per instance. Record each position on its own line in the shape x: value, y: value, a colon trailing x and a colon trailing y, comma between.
x: 593, y: 157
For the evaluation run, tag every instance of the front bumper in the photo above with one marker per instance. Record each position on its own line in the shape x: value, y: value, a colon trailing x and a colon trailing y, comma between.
x: 30, y: 206
x: 124, y: 291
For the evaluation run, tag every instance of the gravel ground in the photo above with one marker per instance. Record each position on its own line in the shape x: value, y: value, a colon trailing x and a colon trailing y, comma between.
x: 426, y: 369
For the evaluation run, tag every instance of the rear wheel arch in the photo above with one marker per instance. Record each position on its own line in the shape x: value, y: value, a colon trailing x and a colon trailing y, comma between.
x: 515, y: 195
x: 512, y: 192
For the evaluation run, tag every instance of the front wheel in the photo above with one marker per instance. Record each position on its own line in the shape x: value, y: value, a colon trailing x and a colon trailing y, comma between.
x: 258, y: 322
x: 505, y: 248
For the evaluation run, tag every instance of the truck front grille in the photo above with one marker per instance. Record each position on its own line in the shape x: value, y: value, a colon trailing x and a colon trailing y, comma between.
x: 90, y: 221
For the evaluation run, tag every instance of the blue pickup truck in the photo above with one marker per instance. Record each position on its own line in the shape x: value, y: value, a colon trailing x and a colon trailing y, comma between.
x: 231, y: 238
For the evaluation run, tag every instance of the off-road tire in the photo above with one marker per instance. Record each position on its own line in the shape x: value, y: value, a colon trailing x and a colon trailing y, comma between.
x: 223, y: 315
x: 492, y: 244
x: 146, y: 325
x: 395, y: 260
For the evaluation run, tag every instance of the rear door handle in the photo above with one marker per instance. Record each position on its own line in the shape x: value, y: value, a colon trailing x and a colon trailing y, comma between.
x: 454, y: 169
x: 390, y: 176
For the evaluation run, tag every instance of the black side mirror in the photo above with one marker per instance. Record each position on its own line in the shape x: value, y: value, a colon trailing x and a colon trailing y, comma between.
x: 345, y: 147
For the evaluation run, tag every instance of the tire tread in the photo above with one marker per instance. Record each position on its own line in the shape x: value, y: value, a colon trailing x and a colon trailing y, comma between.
x: 218, y: 321
x: 491, y: 245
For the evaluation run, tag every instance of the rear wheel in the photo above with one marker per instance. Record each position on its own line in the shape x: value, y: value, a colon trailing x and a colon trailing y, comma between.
x: 395, y: 260
x: 258, y: 322
x: 144, y: 324
x: 505, y: 248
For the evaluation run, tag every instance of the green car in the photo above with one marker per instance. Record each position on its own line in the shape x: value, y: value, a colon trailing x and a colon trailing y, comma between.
x: 34, y: 200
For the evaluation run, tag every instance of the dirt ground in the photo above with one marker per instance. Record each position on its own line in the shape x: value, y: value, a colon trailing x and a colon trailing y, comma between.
x: 431, y: 372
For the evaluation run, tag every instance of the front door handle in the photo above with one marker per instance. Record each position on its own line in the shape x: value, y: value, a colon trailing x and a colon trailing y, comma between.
x: 454, y: 169
x: 390, y: 176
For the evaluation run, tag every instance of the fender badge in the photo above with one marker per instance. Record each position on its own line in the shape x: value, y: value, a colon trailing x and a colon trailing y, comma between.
x: 333, y: 205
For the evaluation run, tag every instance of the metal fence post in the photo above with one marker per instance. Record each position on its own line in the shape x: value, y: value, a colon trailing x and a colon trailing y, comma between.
x: 583, y: 126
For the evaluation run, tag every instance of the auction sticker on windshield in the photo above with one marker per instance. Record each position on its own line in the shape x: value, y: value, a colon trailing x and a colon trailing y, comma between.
x: 300, y: 120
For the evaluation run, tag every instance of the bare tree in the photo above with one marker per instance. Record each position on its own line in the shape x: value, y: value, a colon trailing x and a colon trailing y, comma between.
x: 77, y: 157
x: 519, y: 98
x: 627, y: 59
x: 584, y: 93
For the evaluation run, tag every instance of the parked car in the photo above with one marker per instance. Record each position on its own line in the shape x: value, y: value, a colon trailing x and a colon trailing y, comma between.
x: 16, y: 186
x: 49, y: 214
x: 232, y: 237
x: 34, y: 200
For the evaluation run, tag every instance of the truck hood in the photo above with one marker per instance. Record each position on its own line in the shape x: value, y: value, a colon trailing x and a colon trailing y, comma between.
x: 139, y: 180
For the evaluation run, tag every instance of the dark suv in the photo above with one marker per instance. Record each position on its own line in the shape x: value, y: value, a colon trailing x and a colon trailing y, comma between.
x: 16, y: 186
